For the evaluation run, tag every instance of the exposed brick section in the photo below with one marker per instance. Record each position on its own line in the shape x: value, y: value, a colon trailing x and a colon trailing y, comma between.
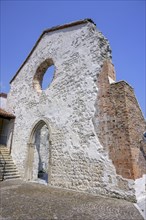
x: 121, y: 125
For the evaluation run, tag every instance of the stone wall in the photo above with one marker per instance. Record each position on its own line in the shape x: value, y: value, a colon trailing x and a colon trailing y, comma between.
x: 75, y: 109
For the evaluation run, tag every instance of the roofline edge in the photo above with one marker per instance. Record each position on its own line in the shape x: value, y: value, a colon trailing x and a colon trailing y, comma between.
x: 55, y: 28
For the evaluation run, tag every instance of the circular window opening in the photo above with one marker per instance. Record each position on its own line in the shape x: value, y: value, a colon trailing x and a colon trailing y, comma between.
x: 44, y: 75
x: 48, y: 77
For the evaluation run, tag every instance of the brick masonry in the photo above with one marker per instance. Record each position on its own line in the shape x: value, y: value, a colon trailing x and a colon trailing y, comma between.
x: 120, y: 124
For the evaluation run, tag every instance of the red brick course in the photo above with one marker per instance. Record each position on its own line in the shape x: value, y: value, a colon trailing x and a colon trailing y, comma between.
x: 121, y: 125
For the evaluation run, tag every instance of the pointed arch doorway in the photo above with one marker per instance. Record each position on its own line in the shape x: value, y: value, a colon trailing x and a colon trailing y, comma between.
x: 39, y: 153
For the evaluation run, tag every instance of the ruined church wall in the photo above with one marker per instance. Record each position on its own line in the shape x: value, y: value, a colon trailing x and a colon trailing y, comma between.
x: 78, y: 160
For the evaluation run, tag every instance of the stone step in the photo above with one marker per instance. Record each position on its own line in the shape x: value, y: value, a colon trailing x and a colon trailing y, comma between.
x: 9, y: 175
x: 12, y: 177
x: 4, y: 154
x: 4, y: 150
x: 7, y: 166
x: 7, y: 158
x: 15, y: 173
x: 10, y: 171
x: 3, y: 147
x: 8, y: 163
x: 10, y: 167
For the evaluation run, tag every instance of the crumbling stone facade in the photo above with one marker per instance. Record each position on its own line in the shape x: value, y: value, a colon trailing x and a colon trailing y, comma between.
x: 87, y: 119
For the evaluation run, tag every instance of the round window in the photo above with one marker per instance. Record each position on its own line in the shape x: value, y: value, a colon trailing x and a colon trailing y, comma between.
x: 44, y: 75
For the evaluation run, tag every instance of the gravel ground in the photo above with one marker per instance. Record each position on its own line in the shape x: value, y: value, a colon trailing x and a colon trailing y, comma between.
x: 23, y: 201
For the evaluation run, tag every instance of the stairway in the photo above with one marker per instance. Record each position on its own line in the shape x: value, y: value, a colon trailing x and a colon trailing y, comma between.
x: 10, y: 171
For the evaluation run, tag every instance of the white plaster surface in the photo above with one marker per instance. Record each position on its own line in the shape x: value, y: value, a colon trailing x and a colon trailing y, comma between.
x: 3, y: 102
x: 140, y: 189
x: 141, y: 206
x: 111, y: 80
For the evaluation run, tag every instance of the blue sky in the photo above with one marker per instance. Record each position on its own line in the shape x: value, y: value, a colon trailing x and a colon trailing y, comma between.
x: 122, y: 22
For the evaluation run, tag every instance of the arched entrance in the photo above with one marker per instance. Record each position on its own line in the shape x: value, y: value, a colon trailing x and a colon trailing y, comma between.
x: 39, y: 153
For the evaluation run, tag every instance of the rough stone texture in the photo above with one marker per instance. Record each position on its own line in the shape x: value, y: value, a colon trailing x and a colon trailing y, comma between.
x: 75, y: 110
x: 34, y: 201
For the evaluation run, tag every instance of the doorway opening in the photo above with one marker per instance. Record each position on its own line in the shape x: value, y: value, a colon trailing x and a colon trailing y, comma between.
x: 38, y: 154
